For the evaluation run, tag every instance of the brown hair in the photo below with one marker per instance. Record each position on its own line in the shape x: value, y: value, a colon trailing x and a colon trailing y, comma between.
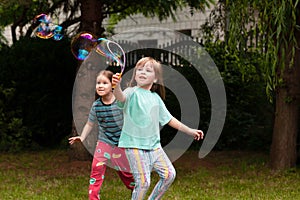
x: 157, y: 87
x: 108, y: 74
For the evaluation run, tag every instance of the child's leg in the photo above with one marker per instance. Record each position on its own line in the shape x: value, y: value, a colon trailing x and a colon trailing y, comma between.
x: 101, y: 156
x: 127, y: 179
x: 166, y: 171
x: 120, y: 163
x: 140, y: 165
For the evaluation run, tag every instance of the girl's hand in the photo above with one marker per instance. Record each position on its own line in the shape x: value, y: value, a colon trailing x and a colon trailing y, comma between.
x: 116, y: 79
x: 198, y: 134
x: 72, y: 140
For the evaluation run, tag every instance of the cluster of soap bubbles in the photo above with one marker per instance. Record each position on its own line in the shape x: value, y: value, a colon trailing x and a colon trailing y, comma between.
x: 46, y: 29
x: 83, y: 43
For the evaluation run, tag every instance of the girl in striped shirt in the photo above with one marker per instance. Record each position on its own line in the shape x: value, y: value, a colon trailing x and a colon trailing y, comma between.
x: 109, y: 118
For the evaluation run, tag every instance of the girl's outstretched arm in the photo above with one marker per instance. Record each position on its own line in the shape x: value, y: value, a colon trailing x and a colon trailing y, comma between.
x: 197, y: 134
x: 86, y: 130
x: 117, y: 88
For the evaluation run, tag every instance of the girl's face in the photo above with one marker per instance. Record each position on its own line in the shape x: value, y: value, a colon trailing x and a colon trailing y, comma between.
x: 145, y: 76
x: 103, y: 85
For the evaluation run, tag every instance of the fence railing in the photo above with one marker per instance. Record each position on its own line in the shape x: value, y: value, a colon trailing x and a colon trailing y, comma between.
x: 168, y: 53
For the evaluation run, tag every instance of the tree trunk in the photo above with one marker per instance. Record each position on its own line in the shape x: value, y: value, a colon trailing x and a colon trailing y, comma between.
x: 91, y: 16
x: 13, y: 34
x: 91, y: 21
x: 283, y: 148
x: 284, y: 142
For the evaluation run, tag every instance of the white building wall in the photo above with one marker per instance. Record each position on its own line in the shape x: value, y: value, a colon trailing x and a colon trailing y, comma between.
x: 184, y: 21
x: 7, y: 34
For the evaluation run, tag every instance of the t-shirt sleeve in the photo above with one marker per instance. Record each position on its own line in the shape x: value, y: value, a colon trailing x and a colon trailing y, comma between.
x: 127, y: 92
x: 164, y: 115
x: 92, y: 115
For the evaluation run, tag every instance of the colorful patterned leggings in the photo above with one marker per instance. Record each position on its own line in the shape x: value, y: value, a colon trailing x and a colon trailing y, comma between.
x: 117, y: 156
x: 142, y: 162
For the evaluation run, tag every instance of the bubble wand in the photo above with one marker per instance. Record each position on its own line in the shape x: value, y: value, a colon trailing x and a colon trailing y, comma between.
x: 112, y: 50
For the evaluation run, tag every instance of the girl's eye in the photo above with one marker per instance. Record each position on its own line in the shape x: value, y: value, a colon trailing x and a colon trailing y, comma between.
x: 101, y: 83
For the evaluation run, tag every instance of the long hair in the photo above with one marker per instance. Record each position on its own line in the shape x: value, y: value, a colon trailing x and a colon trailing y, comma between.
x: 157, y: 87
x: 108, y: 74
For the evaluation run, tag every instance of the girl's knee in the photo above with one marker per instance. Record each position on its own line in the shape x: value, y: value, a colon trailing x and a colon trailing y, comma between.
x: 145, y: 185
x: 171, y: 175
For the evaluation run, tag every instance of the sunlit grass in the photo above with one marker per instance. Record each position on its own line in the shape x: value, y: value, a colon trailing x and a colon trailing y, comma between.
x: 221, y: 175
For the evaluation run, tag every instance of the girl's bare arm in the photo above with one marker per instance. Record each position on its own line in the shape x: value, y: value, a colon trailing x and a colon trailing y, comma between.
x: 117, y: 88
x: 197, y: 134
x: 86, y: 130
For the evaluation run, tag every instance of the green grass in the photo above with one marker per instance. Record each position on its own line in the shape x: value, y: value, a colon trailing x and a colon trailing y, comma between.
x: 221, y: 175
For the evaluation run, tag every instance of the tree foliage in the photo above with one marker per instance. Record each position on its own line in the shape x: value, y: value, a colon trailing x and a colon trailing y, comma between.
x: 20, y: 13
x: 36, y: 83
x: 276, y: 25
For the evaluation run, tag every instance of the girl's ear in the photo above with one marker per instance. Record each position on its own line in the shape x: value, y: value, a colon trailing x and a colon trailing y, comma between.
x: 155, y: 80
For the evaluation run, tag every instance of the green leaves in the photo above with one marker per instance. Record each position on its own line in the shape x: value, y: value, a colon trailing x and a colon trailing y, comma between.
x: 276, y: 21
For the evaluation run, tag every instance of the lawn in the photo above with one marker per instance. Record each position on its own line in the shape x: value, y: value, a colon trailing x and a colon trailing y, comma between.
x: 226, y: 175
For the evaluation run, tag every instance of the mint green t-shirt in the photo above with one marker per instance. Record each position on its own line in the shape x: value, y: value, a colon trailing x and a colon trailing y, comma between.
x: 144, y: 113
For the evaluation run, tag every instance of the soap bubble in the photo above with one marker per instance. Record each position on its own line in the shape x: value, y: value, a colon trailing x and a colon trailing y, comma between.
x: 45, y: 29
x: 82, y: 44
